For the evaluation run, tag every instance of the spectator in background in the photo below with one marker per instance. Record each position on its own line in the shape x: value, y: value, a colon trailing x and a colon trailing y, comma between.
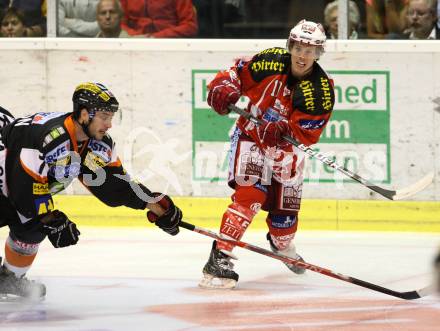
x: 12, y: 24
x: 331, y: 20
x: 386, y: 19
x: 77, y: 18
x: 212, y: 15
x: 438, y: 14
x: 33, y: 13
x: 422, y: 19
x: 160, y: 18
x: 109, y: 15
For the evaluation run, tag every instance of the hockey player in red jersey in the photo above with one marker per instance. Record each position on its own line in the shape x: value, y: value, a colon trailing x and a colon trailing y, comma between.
x: 40, y: 155
x: 294, y: 96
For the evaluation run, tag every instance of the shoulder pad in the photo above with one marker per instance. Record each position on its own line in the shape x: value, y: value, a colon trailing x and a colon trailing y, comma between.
x: 314, y: 95
x: 272, y: 61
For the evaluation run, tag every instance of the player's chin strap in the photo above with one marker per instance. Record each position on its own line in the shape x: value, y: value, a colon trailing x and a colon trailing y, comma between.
x: 403, y: 295
x: 85, y: 126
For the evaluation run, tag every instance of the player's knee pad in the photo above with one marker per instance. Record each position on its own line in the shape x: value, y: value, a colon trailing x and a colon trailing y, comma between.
x: 19, y: 255
x: 282, y: 229
x: 251, y: 197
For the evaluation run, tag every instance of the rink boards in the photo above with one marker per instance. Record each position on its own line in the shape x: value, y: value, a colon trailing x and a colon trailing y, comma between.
x: 346, y: 215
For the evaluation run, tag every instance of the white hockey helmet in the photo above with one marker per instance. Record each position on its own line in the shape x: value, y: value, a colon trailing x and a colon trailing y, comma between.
x: 307, y: 32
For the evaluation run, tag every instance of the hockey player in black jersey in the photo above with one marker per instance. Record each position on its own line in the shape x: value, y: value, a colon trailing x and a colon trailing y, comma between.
x: 40, y: 155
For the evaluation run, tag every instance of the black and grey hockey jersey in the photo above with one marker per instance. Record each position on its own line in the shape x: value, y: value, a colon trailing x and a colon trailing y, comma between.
x: 39, y: 156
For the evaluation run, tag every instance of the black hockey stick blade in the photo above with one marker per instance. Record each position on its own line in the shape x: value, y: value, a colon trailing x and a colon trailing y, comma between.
x: 411, y: 295
x: 389, y: 194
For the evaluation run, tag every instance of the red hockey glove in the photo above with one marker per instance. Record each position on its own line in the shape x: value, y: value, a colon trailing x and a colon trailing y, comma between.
x: 169, y: 221
x: 222, y: 93
x: 270, y: 133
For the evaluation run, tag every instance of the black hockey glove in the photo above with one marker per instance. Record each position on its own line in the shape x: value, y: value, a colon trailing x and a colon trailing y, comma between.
x: 61, y: 231
x: 169, y: 221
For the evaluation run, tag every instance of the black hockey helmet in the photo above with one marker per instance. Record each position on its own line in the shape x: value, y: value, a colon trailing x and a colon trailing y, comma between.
x: 94, y: 97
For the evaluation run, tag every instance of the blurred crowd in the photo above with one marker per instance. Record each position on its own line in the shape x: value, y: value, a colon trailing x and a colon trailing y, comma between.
x: 258, y: 19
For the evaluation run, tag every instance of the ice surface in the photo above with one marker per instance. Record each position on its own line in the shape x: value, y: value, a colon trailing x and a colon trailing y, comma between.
x: 143, y: 279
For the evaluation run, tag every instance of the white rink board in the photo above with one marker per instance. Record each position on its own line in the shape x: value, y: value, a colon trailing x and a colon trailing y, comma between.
x: 153, y: 81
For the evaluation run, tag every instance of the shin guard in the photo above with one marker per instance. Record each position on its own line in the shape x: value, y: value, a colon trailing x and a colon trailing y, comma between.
x: 235, y: 221
x: 247, y: 202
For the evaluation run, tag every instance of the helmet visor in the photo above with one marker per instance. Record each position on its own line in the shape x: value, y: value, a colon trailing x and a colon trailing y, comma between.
x: 305, y: 51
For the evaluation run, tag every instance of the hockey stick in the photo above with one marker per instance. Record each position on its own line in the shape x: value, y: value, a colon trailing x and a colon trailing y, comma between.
x: 389, y: 194
x: 302, y: 264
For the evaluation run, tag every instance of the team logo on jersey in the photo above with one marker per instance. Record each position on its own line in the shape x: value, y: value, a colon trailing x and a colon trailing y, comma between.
x: 58, y: 152
x: 40, y: 188
x: 43, y: 204
x: 41, y: 118
x: 291, y: 197
x: 251, y: 161
x: 271, y: 115
x: 265, y: 65
x: 280, y: 107
x: 327, y: 98
x: 311, y: 124
x: 273, y: 50
x: 307, y: 90
x: 93, y: 162
x: 101, y: 149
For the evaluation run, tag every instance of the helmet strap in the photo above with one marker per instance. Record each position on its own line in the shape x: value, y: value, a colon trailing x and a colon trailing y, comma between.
x: 85, y: 127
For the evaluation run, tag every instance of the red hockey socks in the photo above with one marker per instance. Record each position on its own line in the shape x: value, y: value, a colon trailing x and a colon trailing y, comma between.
x: 247, y: 202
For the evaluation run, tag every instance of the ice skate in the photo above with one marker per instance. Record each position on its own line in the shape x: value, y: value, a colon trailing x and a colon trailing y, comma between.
x: 14, y: 288
x: 290, y: 252
x: 437, y: 273
x: 218, y: 272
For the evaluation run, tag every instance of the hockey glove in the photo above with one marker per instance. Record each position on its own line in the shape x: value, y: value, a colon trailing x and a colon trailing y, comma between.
x: 270, y: 133
x: 222, y: 93
x: 61, y: 231
x: 169, y: 221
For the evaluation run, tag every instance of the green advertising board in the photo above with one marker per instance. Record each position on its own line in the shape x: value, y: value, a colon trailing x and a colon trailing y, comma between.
x: 357, y: 135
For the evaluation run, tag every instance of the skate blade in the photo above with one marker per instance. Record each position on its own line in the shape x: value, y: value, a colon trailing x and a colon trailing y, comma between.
x: 16, y: 298
x: 211, y: 282
x: 295, y: 269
